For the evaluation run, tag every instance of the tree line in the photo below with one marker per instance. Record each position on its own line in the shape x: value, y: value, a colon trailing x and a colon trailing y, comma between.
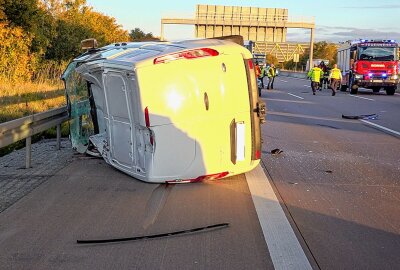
x: 37, y: 33
x: 322, y: 50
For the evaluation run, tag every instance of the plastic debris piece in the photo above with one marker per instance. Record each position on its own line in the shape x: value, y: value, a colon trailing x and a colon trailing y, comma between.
x: 161, y: 235
x: 362, y: 116
x: 276, y: 151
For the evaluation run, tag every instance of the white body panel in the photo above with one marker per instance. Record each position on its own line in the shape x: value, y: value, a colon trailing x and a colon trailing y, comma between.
x: 191, y: 105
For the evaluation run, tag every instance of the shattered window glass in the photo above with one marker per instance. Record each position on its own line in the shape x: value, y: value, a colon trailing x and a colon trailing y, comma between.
x: 77, y: 93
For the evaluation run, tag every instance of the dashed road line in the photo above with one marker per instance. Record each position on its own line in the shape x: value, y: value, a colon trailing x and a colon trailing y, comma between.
x: 295, y: 96
x: 362, y: 97
x: 397, y: 94
x: 381, y: 127
x: 283, y: 245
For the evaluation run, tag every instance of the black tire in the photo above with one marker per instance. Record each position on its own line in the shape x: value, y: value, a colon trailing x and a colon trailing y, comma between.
x: 376, y: 89
x: 354, y: 89
x: 391, y: 90
x: 343, y: 88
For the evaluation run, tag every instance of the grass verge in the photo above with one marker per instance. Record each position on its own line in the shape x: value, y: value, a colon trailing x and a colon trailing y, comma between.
x: 22, y: 99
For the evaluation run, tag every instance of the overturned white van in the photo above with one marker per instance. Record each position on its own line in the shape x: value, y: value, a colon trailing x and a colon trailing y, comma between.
x: 167, y: 111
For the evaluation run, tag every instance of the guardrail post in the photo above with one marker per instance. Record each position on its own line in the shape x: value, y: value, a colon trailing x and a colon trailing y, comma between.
x: 28, y: 146
x: 59, y: 137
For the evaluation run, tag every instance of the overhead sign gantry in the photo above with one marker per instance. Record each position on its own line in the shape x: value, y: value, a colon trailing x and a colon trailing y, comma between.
x: 265, y: 26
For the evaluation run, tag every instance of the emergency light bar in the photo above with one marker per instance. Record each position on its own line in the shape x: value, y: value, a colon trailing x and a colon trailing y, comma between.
x: 373, y: 41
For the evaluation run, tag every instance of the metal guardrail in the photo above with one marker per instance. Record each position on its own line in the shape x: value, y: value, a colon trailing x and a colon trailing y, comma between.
x: 26, y: 127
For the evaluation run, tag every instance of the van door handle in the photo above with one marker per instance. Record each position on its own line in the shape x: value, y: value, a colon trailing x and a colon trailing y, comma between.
x: 206, y: 101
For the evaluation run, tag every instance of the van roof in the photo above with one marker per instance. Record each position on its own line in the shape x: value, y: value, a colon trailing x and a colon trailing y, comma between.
x: 142, y: 53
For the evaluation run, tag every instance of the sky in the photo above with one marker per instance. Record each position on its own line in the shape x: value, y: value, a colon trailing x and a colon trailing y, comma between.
x: 336, y: 20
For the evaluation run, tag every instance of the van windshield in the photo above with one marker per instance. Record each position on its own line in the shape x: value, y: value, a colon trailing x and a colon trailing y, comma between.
x: 377, y: 53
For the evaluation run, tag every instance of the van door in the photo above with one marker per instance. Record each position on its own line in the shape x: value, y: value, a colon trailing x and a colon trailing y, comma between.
x: 77, y: 91
x: 119, y: 107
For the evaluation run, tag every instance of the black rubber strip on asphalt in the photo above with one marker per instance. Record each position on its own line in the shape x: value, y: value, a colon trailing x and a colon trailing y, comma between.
x: 162, y: 235
x: 362, y: 116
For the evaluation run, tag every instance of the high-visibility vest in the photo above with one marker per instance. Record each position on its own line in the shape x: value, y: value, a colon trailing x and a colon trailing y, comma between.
x: 258, y: 71
x: 315, y: 74
x: 271, y: 72
x: 335, y: 74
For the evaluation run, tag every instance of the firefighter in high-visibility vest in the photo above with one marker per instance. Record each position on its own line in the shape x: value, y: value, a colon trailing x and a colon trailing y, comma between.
x: 271, y: 74
x: 336, y: 78
x: 259, y: 74
x: 315, y: 74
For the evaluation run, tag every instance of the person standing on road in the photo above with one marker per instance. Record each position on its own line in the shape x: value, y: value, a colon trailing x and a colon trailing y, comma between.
x: 336, y: 78
x: 264, y: 70
x: 259, y: 77
x: 271, y: 76
x: 315, y: 75
x: 324, y: 78
x: 258, y: 71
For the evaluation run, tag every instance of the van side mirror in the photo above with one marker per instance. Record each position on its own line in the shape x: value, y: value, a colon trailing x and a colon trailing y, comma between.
x: 88, y: 44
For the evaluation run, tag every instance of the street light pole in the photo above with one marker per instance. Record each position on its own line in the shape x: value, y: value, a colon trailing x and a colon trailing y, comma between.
x: 311, y: 49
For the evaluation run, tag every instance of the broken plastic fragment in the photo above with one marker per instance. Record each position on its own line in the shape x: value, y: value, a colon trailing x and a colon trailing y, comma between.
x: 362, y: 116
x: 153, y: 236
x: 276, y: 151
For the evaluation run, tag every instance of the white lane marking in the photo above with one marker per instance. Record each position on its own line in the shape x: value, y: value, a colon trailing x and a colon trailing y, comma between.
x: 381, y: 127
x: 397, y: 94
x: 284, y: 248
x: 361, y: 97
x: 295, y: 95
x: 283, y: 81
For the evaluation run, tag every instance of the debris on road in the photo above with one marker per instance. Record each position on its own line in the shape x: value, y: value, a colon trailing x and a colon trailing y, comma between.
x: 153, y: 236
x: 276, y: 151
x: 362, y: 116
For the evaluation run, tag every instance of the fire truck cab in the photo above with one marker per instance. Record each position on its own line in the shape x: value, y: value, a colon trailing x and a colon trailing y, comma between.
x: 372, y: 64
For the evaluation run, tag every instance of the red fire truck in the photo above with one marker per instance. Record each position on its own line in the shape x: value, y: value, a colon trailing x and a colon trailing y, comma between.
x: 372, y: 64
